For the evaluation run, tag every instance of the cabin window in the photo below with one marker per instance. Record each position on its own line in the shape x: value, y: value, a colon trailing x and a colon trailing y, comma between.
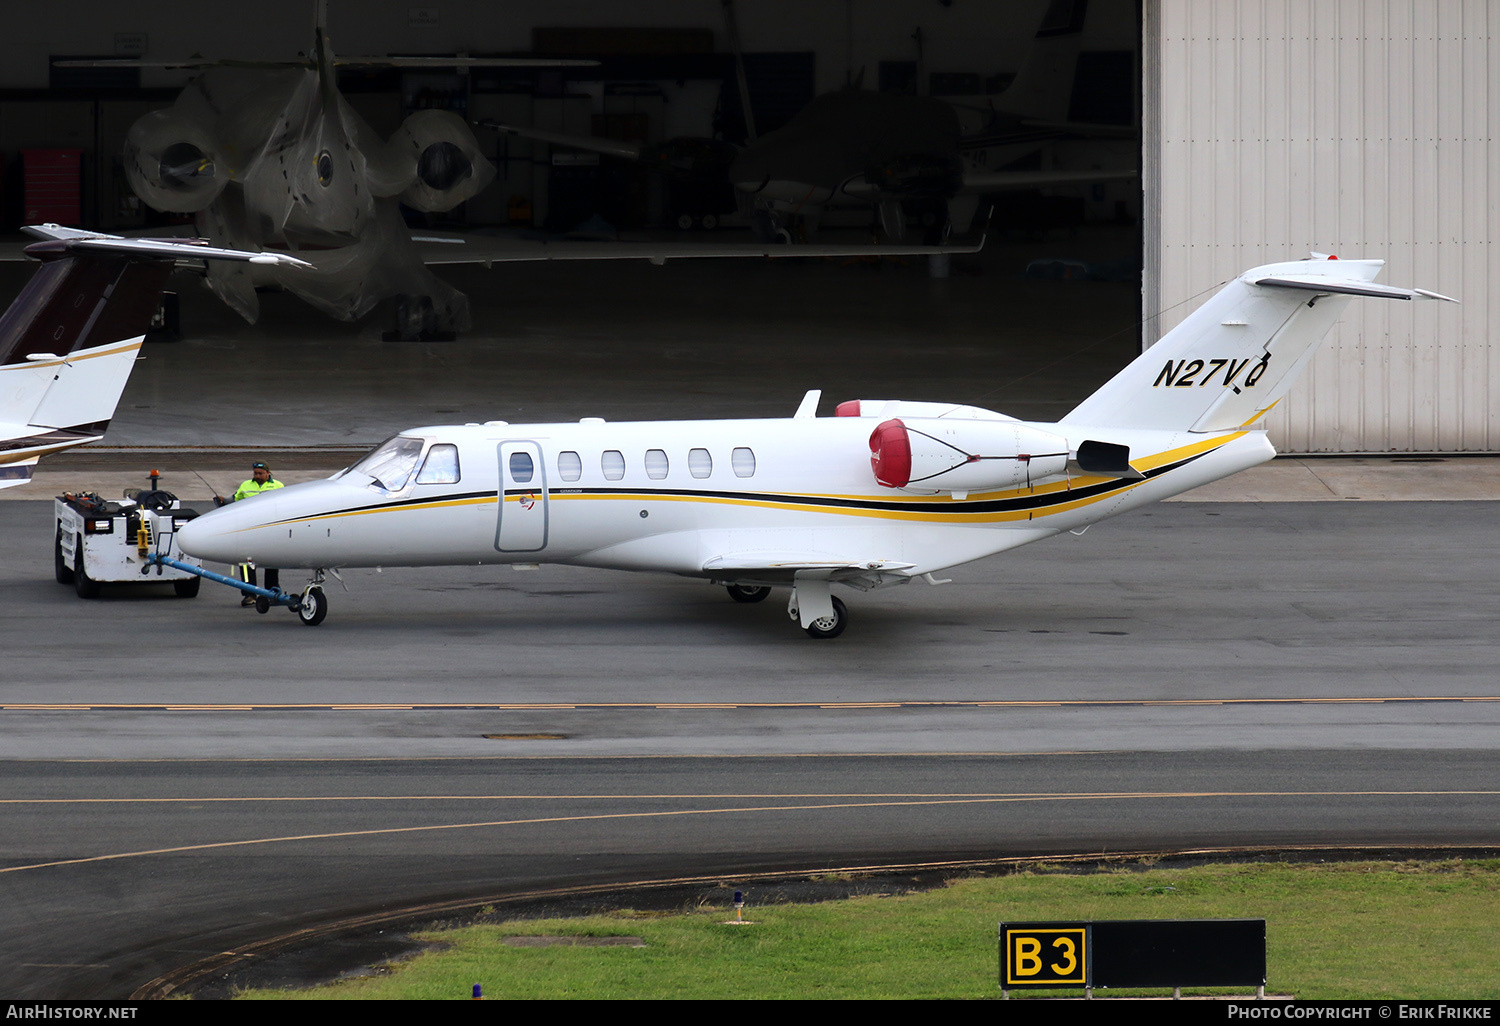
x: 390, y: 465
x: 656, y: 464
x: 743, y: 461
x: 441, y: 465
x: 569, y: 466
x: 700, y: 463
x: 521, y: 467
x: 613, y: 464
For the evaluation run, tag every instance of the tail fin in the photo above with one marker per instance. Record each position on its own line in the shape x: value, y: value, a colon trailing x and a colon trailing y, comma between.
x: 1234, y: 357
x: 1043, y: 86
x: 69, y: 341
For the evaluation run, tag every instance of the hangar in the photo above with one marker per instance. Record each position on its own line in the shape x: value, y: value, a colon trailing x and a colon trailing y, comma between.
x: 1266, y: 129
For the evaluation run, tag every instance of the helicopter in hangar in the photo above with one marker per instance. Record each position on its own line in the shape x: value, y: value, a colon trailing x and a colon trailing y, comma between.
x: 882, y: 493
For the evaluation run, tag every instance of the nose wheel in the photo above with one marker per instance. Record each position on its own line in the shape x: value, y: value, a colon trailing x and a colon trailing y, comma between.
x: 312, y: 607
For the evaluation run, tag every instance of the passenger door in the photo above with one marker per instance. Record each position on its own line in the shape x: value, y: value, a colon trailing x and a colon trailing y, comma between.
x: 522, y: 498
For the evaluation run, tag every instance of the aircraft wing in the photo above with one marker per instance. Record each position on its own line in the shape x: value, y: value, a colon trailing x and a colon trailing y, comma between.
x: 588, y: 143
x: 977, y: 182
x: 793, y: 561
x: 451, y: 248
x: 786, y: 567
x: 1085, y: 129
x: 974, y: 182
x: 192, y: 63
x: 487, y: 250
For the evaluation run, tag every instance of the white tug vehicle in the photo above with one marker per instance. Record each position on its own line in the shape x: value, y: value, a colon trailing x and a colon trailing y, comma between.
x: 101, y: 541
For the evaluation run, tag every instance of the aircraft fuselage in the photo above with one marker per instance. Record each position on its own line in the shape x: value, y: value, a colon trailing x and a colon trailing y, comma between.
x: 728, y: 500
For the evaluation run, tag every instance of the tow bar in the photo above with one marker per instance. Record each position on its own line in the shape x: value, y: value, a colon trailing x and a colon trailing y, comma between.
x: 311, y: 606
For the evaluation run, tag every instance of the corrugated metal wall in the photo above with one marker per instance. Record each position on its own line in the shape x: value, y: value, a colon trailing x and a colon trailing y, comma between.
x: 1365, y: 128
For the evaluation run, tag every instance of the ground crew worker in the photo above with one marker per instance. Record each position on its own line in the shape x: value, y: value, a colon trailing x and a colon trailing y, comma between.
x: 260, y: 482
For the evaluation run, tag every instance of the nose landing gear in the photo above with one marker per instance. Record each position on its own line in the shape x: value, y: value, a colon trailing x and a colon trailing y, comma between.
x: 312, y: 607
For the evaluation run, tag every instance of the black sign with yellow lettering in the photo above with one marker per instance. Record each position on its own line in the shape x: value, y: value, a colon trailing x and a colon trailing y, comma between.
x: 1043, y: 955
x: 1134, y: 953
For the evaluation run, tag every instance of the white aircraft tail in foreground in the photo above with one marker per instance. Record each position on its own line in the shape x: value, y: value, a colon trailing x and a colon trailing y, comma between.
x: 70, y: 339
x: 879, y: 494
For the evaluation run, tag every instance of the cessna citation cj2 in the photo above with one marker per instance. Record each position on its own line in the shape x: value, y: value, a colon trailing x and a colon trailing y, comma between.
x: 882, y: 493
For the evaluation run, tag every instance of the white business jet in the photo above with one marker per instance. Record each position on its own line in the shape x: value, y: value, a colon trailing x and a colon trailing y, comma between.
x: 882, y: 493
x: 70, y: 339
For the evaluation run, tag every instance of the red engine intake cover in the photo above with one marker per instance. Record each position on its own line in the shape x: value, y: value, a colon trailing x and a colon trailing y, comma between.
x: 890, y: 454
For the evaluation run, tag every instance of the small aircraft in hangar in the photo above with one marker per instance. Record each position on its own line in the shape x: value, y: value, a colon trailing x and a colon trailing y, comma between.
x: 268, y: 155
x: 878, y: 495
x: 71, y: 338
x: 911, y: 159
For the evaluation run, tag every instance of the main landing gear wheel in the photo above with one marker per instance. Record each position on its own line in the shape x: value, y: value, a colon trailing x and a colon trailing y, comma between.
x: 748, y: 593
x: 830, y: 626
x: 313, y: 607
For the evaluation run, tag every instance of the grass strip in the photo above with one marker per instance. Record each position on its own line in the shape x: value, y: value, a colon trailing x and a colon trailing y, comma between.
x: 1336, y: 930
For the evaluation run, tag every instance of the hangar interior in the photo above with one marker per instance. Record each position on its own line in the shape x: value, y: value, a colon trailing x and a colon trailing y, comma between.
x: 1251, y: 126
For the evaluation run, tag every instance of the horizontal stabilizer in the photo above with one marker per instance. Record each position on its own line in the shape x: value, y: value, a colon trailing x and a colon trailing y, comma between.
x: 76, y: 241
x: 1313, y: 283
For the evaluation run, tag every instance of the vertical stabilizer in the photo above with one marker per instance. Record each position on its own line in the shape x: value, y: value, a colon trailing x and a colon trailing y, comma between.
x: 1234, y: 357
x: 1043, y: 87
x: 69, y: 341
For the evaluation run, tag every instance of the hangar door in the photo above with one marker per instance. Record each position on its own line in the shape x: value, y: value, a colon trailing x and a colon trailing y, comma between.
x: 1364, y: 128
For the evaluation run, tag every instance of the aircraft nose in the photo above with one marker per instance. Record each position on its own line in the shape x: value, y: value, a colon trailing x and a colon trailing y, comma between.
x: 260, y: 529
x: 207, y: 537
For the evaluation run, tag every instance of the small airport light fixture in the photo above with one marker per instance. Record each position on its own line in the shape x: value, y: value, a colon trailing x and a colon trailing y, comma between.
x: 739, y: 911
x: 478, y: 993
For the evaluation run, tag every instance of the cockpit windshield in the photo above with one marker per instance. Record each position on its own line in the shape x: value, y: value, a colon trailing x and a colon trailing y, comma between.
x: 391, y: 463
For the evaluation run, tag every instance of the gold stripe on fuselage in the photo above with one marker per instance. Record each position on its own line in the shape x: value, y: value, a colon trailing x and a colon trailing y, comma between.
x: 820, y: 503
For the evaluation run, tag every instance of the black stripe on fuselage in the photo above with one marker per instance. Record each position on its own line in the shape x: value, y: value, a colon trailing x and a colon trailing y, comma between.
x: 373, y: 507
x: 832, y: 503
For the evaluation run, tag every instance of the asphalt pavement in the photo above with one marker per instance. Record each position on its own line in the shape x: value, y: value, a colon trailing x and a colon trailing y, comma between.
x: 184, y: 777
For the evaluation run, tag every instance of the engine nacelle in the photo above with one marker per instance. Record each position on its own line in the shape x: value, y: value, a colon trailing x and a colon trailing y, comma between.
x: 172, y: 163
x: 885, y: 409
x: 948, y: 455
x: 448, y: 164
